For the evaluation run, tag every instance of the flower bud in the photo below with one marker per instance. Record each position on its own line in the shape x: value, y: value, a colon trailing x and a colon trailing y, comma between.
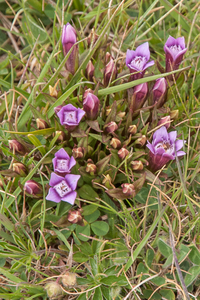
x: 141, y: 141
x: 78, y: 152
x: 122, y: 153
x: 69, y: 39
x: 137, y: 165
x: 62, y: 137
x: 108, y: 110
x: 41, y: 124
x: 20, y: 169
x: 52, y: 91
x: 111, y: 127
x: 92, y: 38
x: 107, y: 181
x: 58, y: 108
x: 121, y: 114
x: 69, y: 279
x: 74, y: 216
x: 160, y: 92
x: 132, y: 129
x: 110, y: 72
x: 90, y: 71
x: 139, y: 96
x: 165, y: 121
x: 91, y: 105
x: 128, y: 189
x: 91, y: 168
x: 115, y: 143
x: 17, y: 147
x: 53, y: 289
x: 33, y: 189
x: 174, y: 114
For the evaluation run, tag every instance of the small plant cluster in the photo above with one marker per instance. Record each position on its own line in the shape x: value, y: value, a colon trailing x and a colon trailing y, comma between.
x: 99, y: 199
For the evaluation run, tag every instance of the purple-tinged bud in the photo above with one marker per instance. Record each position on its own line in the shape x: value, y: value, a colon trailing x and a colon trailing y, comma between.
x: 110, y: 72
x: 57, y: 108
x: 17, y: 147
x: 91, y: 105
x: 132, y: 129
x: 69, y: 279
x: 165, y: 121
x: 78, y: 152
x: 139, y: 96
x: 160, y: 92
x: 174, y: 114
x: 90, y: 71
x: 52, y: 91
x: 141, y: 141
x: 62, y: 137
x: 69, y: 39
x: 122, y: 153
x: 33, y: 189
x: 128, y: 189
x: 137, y: 165
x: 74, y: 216
x: 91, y: 168
x: 115, y: 143
x: 53, y: 289
x: 137, y: 61
x: 41, y: 124
x: 174, y: 50
x: 111, y: 127
x: 20, y: 169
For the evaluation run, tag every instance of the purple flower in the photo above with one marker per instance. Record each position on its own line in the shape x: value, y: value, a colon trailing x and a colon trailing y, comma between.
x: 70, y: 116
x: 62, y: 163
x: 160, y: 92
x: 137, y: 61
x: 139, y: 96
x: 91, y: 104
x: 69, y: 38
x: 163, y: 147
x: 63, y: 188
x: 174, y: 49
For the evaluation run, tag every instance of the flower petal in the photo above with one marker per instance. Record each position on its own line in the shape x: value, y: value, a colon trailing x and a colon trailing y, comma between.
x: 60, y: 115
x: 149, y: 64
x: 62, y: 154
x: 72, y: 180
x: 72, y: 162
x: 179, y: 144
x: 172, y: 136
x: 170, y: 42
x: 143, y: 50
x: 150, y: 146
x: 55, y: 179
x: 181, y: 42
x: 130, y: 54
x: 70, y: 198
x: 80, y: 114
x: 53, y: 196
x: 180, y: 153
x: 160, y: 135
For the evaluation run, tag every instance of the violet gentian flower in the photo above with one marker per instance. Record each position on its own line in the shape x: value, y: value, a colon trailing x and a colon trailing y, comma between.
x: 70, y: 116
x: 69, y: 39
x: 137, y: 61
x: 63, y: 188
x: 62, y: 163
x: 139, y: 96
x: 164, y: 148
x: 174, y: 49
x: 160, y: 92
x: 91, y: 104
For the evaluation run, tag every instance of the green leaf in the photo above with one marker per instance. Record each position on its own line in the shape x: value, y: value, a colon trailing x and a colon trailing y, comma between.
x: 83, y: 230
x: 114, y: 280
x: 164, y: 248
x: 89, y: 209
x: 6, y: 222
x: 158, y: 280
x: 41, y: 132
x: 149, y: 257
x: 167, y: 294
x: 87, y: 192
x: 10, y: 276
x: 142, y: 269
x: 92, y: 217
x: 194, y: 273
x: 194, y: 255
x: 147, y: 294
x: 100, y: 228
x: 97, y: 294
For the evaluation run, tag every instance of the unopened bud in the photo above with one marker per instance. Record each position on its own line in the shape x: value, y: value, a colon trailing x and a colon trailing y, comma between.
x: 78, y: 152
x: 128, y: 189
x: 141, y: 141
x: 74, y: 216
x: 69, y: 39
x: 62, y: 137
x: 91, y: 105
x: 90, y: 71
x: 111, y: 127
x: 69, y: 279
x: 91, y: 168
x: 122, y: 153
x: 41, y: 124
x: 53, y: 289
x: 108, y: 110
x: 139, y: 96
x: 107, y: 181
x: 174, y: 114
x: 165, y: 121
x: 17, y: 147
x: 132, y: 129
x: 115, y: 143
x: 92, y: 38
x: 159, y: 92
x: 58, y: 108
x: 52, y: 91
x: 20, y: 169
x: 33, y: 189
x: 110, y: 72
x: 137, y: 165
x: 121, y: 114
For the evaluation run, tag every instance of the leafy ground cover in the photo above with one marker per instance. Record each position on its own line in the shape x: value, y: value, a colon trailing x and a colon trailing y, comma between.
x: 99, y: 150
